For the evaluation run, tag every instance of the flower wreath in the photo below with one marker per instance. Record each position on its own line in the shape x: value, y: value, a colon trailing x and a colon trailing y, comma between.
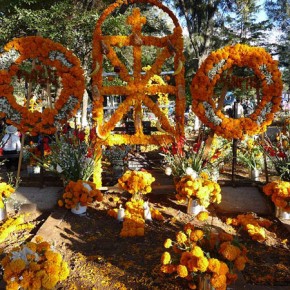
x: 202, y: 87
x: 68, y: 69
x: 137, y: 89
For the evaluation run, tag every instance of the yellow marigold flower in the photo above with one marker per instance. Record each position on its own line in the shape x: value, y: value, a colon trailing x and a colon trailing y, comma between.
x: 165, y: 258
x: 202, y: 216
x: 49, y: 281
x: 202, y: 264
x: 214, y: 265
x: 197, y: 251
x: 181, y: 237
x: 168, y: 243
x: 182, y: 271
x: 64, y: 271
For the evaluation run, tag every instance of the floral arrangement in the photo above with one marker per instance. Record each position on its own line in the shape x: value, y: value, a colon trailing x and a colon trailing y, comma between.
x: 182, y: 158
x: 12, y: 225
x: 34, y: 265
x: 134, y: 218
x: 136, y: 182
x: 5, y: 192
x: 278, y: 152
x: 202, y: 253
x: 250, y: 153
x: 255, y: 226
x: 116, y: 153
x: 201, y: 188
x: 50, y: 54
x: 80, y: 192
x: 72, y: 155
x: 137, y: 90
x: 279, y: 192
x: 208, y: 75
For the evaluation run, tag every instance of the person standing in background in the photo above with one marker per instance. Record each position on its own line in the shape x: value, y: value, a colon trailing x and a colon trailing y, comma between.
x: 11, y: 146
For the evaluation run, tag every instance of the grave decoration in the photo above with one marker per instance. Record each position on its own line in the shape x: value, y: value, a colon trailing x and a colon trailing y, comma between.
x: 267, y: 74
x: 136, y: 90
x: 34, y: 265
x: 48, y: 54
x: 137, y: 210
x: 204, y: 256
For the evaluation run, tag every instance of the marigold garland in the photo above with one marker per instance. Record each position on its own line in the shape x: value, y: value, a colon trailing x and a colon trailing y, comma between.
x: 137, y: 89
x: 5, y: 192
x: 50, y: 54
x: 203, y: 83
x: 34, y: 265
x: 279, y: 192
x: 12, y: 225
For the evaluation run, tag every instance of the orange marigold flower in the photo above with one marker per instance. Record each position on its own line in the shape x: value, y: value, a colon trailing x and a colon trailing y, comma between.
x: 214, y: 265
x: 182, y: 271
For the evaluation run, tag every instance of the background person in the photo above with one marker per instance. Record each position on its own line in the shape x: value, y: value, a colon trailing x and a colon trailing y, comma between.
x: 11, y: 145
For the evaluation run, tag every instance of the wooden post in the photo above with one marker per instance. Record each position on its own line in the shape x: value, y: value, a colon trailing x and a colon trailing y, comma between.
x: 234, y: 147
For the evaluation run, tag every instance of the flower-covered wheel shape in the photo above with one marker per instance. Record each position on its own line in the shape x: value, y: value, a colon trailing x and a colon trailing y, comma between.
x: 67, y: 69
x: 208, y: 75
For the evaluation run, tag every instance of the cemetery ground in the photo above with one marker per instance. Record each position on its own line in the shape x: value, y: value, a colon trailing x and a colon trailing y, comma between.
x: 100, y: 259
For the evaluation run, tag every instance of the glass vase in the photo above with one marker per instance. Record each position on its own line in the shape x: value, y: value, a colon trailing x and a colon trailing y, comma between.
x: 254, y: 174
x: 204, y: 283
x: 281, y: 214
x: 3, y: 212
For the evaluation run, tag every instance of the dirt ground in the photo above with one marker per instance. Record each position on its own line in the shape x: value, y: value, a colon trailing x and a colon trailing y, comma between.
x: 100, y: 259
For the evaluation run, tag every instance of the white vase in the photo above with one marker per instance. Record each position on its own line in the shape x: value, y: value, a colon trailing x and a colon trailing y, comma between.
x: 254, y: 174
x: 281, y: 214
x: 3, y: 213
x: 193, y: 207
x: 79, y: 209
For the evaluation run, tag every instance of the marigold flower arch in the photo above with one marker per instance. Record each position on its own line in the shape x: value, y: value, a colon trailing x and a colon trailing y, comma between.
x: 48, y: 53
x: 137, y: 91
x: 267, y: 73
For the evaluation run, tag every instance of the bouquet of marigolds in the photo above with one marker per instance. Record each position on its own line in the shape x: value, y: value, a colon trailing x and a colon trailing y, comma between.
x: 34, y: 265
x: 201, y: 188
x: 198, y: 253
x: 5, y: 192
x: 279, y: 192
x: 82, y: 192
x: 136, y: 182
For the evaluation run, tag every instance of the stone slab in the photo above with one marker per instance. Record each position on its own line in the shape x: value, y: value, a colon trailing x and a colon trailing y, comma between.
x: 242, y: 200
x: 42, y: 199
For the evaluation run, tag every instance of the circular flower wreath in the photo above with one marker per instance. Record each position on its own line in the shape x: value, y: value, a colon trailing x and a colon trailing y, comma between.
x: 51, y: 54
x: 202, y: 89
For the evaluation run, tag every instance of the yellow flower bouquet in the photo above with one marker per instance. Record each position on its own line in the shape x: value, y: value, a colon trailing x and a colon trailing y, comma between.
x: 80, y: 192
x: 200, y: 254
x: 279, y: 192
x: 136, y: 182
x: 203, y: 189
x: 34, y: 265
x: 5, y: 192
